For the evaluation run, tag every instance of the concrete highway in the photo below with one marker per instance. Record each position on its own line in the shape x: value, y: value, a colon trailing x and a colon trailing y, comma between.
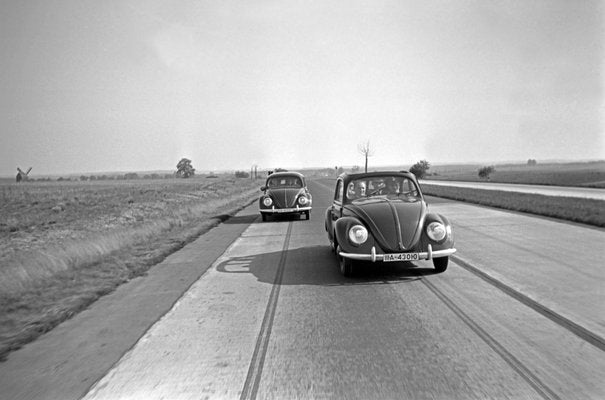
x: 255, y: 310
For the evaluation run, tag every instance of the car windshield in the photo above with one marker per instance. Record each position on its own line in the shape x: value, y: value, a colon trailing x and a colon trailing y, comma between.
x: 284, y: 181
x: 392, y: 187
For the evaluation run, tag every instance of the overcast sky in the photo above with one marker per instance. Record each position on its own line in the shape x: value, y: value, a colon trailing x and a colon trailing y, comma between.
x: 91, y: 86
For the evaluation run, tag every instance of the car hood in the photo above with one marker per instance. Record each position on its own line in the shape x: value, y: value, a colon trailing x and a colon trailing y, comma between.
x: 396, y: 224
x: 285, y: 197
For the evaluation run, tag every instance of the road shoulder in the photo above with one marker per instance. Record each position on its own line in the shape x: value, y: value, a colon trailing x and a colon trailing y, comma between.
x: 66, y: 362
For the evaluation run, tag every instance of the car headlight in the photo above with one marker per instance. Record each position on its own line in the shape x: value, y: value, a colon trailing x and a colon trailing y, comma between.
x: 267, y: 201
x: 302, y: 200
x: 436, y: 231
x: 358, y: 234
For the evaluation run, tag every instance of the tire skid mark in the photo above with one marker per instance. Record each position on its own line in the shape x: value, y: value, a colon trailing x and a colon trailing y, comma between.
x: 255, y: 370
x: 578, y: 330
x: 508, y: 357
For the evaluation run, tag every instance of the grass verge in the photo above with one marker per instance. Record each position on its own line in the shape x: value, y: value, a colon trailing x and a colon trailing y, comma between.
x: 49, y: 285
x: 585, y: 211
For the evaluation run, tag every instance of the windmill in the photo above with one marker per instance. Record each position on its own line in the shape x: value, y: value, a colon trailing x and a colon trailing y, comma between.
x: 23, y: 176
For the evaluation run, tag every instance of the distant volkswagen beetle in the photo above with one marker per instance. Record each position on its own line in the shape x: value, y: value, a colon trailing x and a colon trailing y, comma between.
x: 383, y: 217
x: 285, y: 193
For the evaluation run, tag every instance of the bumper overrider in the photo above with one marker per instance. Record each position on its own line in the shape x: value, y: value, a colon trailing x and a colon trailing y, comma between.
x: 274, y: 210
x: 426, y: 255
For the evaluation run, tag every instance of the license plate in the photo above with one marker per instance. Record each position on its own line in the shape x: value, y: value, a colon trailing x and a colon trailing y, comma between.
x: 401, y: 257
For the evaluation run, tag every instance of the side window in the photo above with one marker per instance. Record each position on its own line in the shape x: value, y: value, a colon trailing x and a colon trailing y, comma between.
x: 339, y: 194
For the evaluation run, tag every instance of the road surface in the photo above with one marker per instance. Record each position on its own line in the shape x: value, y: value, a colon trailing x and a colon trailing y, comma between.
x: 257, y: 310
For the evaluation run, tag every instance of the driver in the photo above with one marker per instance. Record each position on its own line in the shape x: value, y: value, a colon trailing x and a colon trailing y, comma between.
x: 391, y: 187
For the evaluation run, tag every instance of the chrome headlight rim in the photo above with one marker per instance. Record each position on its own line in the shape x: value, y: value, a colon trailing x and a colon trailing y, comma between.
x: 358, y: 234
x: 436, y: 231
x: 303, y: 201
x: 267, y: 202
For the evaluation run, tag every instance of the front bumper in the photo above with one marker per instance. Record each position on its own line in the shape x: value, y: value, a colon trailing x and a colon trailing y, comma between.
x: 427, y: 255
x: 274, y: 210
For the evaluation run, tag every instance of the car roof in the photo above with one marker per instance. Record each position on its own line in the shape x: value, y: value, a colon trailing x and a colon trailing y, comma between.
x: 347, y: 177
x: 287, y: 173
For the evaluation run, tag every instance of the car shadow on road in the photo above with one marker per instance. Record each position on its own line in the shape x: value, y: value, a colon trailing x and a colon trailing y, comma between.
x: 317, y: 265
x: 283, y: 217
x: 250, y: 218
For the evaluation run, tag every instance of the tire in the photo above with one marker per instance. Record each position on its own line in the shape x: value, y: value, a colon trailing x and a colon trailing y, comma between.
x: 264, y: 216
x: 307, y: 215
x: 440, y: 264
x: 332, y: 243
x: 345, y: 264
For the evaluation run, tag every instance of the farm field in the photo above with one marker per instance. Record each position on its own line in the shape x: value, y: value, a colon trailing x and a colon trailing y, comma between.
x: 583, y: 174
x: 64, y: 244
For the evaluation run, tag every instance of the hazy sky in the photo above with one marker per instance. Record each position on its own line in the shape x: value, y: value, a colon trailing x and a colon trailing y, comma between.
x: 89, y: 85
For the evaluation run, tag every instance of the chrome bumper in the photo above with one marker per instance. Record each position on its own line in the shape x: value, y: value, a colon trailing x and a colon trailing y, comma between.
x: 274, y: 210
x: 428, y: 255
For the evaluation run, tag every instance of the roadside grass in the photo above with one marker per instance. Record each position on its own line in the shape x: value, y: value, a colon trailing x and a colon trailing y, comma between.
x: 107, y: 236
x: 586, y: 211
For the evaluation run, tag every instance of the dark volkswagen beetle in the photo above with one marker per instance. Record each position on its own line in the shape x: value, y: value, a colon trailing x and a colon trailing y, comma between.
x: 285, y: 193
x: 382, y: 216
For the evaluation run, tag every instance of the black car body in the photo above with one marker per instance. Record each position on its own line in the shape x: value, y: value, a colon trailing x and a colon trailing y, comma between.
x: 285, y: 193
x: 383, y: 217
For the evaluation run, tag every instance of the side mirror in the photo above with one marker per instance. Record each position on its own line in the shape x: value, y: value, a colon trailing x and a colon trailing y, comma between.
x: 263, y: 188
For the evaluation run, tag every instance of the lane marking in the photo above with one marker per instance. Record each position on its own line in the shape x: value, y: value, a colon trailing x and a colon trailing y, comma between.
x: 508, y: 357
x: 258, y: 357
x: 555, y: 317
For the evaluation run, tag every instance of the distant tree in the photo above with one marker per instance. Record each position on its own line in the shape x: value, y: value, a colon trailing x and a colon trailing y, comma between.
x: 280, y: 170
x: 420, y: 168
x: 485, y: 172
x: 242, y: 174
x: 366, y: 150
x: 131, y: 175
x: 532, y: 162
x: 355, y: 168
x: 184, y: 169
x: 83, y: 177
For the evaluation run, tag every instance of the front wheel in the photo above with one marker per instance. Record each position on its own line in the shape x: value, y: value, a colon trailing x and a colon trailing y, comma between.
x: 440, y: 264
x: 345, y: 264
x: 307, y: 215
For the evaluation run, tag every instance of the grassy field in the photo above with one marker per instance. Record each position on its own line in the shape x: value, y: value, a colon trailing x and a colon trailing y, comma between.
x: 583, y: 174
x: 64, y: 244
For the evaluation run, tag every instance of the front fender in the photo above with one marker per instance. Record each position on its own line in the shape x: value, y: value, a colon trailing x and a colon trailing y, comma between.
x: 341, y: 233
x: 447, y: 242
